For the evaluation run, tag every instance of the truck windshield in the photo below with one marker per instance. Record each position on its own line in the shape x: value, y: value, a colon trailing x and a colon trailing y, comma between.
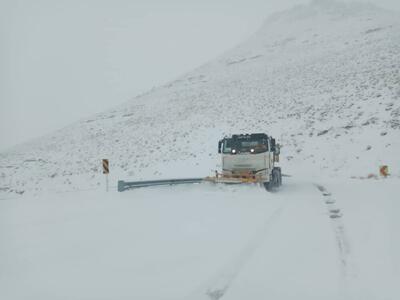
x: 228, y: 146
x: 245, y: 146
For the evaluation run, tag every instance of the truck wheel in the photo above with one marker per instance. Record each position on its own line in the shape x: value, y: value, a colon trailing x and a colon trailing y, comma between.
x: 276, y: 180
x: 279, y: 176
x: 277, y: 183
x: 276, y: 177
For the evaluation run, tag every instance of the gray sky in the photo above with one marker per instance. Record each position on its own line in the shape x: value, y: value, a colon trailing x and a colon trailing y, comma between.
x: 63, y: 60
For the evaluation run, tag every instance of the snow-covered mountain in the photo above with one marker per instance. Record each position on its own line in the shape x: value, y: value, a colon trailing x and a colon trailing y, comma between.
x: 323, y: 78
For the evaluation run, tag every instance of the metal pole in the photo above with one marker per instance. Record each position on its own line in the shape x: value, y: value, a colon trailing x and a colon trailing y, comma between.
x: 106, y: 182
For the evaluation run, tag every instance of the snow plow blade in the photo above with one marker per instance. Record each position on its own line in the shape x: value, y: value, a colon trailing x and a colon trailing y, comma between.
x: 126, y: 185
x: 238, y: 178
x: 233, y: 180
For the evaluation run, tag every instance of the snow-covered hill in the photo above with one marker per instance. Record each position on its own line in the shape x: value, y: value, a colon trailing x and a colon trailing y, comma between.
x: 323, y: 78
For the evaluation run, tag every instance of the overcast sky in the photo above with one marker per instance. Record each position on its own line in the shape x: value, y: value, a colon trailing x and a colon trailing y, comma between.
x: 61, y: 61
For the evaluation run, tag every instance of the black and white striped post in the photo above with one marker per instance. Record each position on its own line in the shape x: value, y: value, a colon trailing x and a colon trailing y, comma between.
x: 106, y: 171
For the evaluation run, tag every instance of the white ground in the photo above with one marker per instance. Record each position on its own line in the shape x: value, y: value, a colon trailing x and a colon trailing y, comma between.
x: 205, y: 242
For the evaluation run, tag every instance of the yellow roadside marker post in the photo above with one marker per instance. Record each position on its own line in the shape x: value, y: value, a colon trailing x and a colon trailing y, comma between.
x: 106, y: 171
x: 384, y: 171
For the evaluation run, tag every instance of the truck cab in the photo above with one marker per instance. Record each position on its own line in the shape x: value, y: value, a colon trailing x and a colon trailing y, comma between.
x: 251, y: 155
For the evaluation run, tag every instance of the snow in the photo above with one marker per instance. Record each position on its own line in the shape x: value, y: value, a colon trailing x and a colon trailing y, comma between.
x: 196, y: 242
x: 372, y: 224
x: 323, y: 79
x: 122, y: 245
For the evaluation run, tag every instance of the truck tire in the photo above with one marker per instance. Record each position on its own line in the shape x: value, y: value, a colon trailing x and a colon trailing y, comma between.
x: 276, y: 180
x: 276, y: 177
x: 279, y: 172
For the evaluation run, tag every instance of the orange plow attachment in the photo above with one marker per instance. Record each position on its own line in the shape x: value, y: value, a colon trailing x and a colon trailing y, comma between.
x: 244, y: 177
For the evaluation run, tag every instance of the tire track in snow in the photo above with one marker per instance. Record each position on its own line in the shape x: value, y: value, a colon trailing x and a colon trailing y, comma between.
x: 217, y: 287
x: 342, y: 242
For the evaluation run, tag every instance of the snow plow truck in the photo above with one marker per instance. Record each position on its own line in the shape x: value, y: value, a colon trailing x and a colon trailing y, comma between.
x: 248, y: 158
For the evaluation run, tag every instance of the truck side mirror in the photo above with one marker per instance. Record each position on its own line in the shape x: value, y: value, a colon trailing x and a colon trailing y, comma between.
x: 219, y: 146
x: 273, y: 145
x: 277, y: 149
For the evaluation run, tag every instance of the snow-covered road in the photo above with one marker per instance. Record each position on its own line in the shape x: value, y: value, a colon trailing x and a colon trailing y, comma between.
x: 204, y: 242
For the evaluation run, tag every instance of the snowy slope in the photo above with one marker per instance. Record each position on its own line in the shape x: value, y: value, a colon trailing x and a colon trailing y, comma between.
x: 323, y: 78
